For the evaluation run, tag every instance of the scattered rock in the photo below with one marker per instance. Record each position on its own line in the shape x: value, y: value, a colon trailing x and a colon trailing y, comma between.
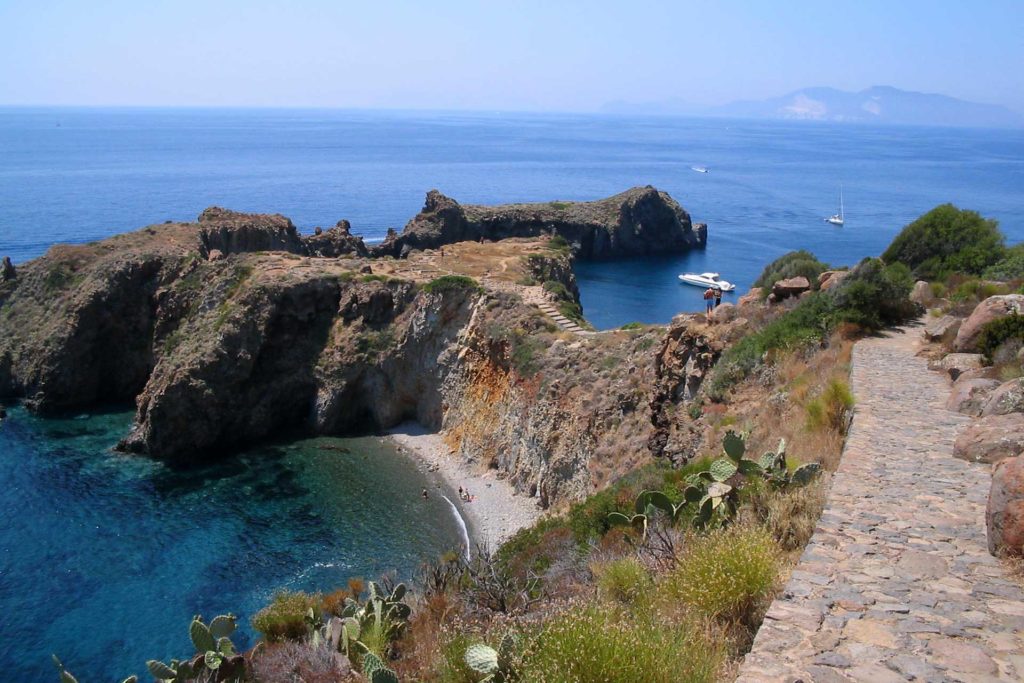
x: 1004, y: 515
x: 938, y: 329
x: 969, y: 396
x: 957, y: 363
x: 335, y: 242
x: 990, y: 309
x: 753, y: 297
x: 990, y: 439
x: 367, y: 269
x: 921, y: 294
x: 794, y: 286
x: 1006, y: 398
x: 215, y: 255
x: 8, y: 271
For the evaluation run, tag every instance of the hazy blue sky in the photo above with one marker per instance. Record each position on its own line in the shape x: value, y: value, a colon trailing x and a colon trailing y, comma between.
x: 528, y: 54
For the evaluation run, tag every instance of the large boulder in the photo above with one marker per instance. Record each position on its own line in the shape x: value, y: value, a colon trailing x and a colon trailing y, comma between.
x: 990, y: 309
x: 969, y: 396
x: 937, y: 329
x: 1006, y: 398
x: 794, y: 286
x: 831, y: 278
x: 957, y: 363
x: 723, y: 313
x: 921, y: 294
x: 1004, y: 515
x: 990, y: 439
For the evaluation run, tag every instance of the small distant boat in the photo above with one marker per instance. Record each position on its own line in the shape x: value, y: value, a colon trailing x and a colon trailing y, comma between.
x: 701, y: 169
x: 838, y: 218
x: 707, y: 280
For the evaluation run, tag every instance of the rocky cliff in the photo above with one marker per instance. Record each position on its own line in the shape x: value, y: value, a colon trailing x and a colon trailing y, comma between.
x: 226, y: 331
x: 641, y: 220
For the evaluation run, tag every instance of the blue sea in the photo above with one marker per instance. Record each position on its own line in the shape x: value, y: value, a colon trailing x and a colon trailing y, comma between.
x: 104, y: 558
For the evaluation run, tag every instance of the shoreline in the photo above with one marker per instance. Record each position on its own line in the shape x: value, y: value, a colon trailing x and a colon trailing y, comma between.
x: 497, y: 511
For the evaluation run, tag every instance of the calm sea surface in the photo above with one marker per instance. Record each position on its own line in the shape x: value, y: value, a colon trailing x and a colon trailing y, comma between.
x: 104, y: 559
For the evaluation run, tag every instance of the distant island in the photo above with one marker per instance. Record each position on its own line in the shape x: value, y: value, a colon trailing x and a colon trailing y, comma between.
x: 878, y: 104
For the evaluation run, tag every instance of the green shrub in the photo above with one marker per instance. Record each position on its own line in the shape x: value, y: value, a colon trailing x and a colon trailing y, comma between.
x: 623, y: 580
x: 559, y: 206
x: 558, y: 243
x: 995, y: 333
x: 453, y: 659
x: 875, y: 295
x: 603, y: 645
x: 285, y: 617
x: 829, y: 410
x: 557, y: 288
x: 794, y: 264
x: 727, y: 574
x: 938, y: 290
x: 632, y: 326
x: 945, y: 240
x: 1010, y: 267
x: 451, y: 283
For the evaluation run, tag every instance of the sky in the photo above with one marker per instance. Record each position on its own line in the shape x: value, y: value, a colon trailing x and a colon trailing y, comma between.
x: 539, y: 55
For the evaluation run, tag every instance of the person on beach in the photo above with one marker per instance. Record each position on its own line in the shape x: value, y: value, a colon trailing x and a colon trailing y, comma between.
x: 709, y: 300
x: 718, y: 297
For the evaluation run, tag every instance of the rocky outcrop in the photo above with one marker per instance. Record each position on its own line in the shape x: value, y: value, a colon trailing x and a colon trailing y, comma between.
x: 751, y: 298
x: 7, y: 270
x: 990, y: 439
x: 794, y: 286
x: 970, y: 395
x: 938, y: 329
x: 830, y: 278
x: 1006, y: 398
x: 233, y: 232
x: 1004, y: 514
x: 990, y: 309
x: 639, y: 221
x: 337, y: 241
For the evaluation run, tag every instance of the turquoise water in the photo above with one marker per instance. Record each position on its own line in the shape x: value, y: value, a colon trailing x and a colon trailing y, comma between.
x: 104, y: 558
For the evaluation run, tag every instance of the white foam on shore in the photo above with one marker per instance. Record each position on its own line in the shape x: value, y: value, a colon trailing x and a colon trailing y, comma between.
x: 462, y: 526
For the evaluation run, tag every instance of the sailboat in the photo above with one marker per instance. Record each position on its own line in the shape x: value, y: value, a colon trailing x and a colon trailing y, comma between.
x: 838, y: 218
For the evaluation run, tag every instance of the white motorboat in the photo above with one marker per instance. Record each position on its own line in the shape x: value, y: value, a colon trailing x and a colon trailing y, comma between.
x: 838, y: 218
x: 700, y: 169
x: 707, y: 280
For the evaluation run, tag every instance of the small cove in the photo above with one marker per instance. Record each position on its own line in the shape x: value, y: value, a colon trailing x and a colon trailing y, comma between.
x: 104, y: 557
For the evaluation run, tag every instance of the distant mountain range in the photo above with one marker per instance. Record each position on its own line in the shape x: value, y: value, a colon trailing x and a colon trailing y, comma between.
x: 879, y: 104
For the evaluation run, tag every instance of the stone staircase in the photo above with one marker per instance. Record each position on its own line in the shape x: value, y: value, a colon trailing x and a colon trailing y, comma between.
x: 536, y: 296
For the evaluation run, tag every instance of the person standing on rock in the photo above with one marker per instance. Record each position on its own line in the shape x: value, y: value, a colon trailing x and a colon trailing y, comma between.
x: 709, y: 300
x: 718, y: 297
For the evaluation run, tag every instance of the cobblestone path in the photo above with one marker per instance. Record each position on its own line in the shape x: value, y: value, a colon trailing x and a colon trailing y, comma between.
x: 896, y: 583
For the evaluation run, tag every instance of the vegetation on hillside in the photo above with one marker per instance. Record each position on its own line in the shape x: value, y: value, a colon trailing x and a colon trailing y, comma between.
x: 794, y: 264
x: 947, y: 240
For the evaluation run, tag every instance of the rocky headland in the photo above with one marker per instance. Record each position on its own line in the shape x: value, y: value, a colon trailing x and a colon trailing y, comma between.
x: 236, y: 327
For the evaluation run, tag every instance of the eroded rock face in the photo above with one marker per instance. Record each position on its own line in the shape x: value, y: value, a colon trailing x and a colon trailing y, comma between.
x: 990, y: 439
x: 970, y: 395
x: 233, y: 232
x: 1004, y: 514
x: 639, y: 221
x: 937, y: 329
x: 1006, y: 398
x: 990, y: 309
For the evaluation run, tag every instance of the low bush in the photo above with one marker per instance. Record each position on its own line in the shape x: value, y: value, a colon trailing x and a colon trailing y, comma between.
x: 830, y: 409
x: 451, y: 283
x: 558, y: 243
x: 789, y: 516
x: 604, y: 645
x: 285, y: 617
x: 1010, y: 267
x: 632, y: 326
x: 557, y: 288
x: 946, y: 240
x: 727, y: 574
x: 623, y: 580
x: 794, y: 264
x: 997, y: 332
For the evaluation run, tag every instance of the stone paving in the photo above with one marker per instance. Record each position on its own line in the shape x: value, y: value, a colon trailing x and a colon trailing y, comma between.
x: 896, y: 583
